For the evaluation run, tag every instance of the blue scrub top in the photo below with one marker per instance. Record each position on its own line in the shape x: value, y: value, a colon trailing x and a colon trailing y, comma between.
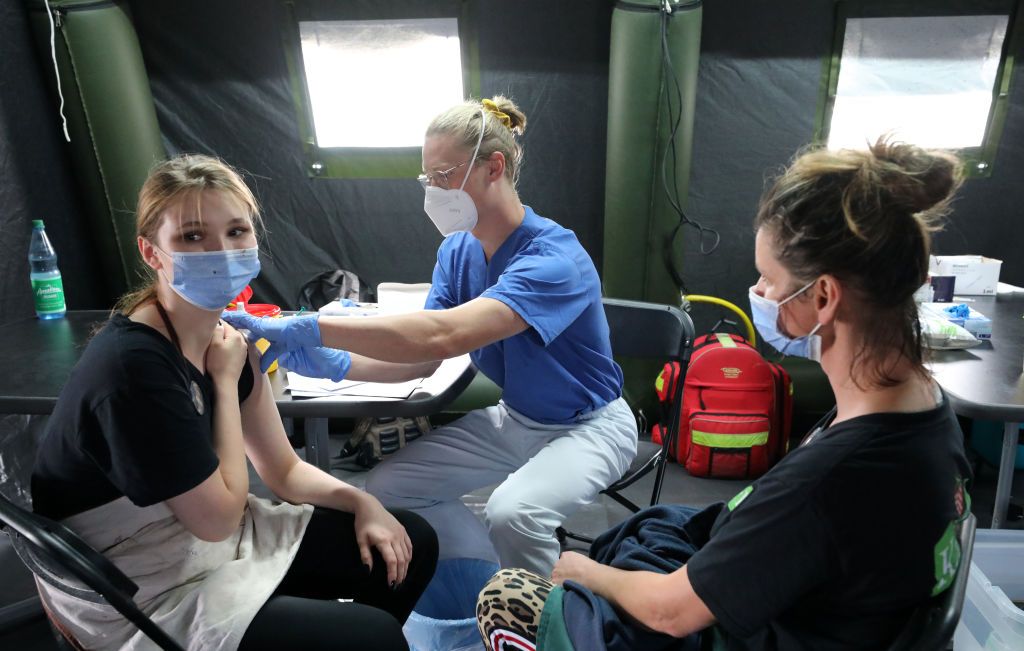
x: 561, y: 367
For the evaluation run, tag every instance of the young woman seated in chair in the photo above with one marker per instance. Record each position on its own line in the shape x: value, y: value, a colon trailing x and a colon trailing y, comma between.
x: 145, y: 458
x: 838, y: 543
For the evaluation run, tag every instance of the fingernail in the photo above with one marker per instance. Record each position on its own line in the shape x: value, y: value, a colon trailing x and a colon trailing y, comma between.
x: 393, y: 585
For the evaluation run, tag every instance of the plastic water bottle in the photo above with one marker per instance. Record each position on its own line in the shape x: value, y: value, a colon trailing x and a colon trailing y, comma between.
x: 47, y: 287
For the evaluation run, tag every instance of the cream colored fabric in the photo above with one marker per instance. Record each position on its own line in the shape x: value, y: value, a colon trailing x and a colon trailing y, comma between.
x: 203, y: 594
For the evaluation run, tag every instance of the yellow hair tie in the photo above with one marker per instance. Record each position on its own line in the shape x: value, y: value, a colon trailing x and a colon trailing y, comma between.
x: 492, y: 108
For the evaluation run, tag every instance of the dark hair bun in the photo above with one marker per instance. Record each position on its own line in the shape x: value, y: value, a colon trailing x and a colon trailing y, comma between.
x: 865, y: 217
x: 915, y: 178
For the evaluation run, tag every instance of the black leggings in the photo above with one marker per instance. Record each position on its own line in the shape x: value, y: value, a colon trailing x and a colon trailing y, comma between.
x: 304, y: 613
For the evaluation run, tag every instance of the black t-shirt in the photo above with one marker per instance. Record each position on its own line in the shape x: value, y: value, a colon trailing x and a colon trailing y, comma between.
x: 833, y: 547
x: 127, y: 424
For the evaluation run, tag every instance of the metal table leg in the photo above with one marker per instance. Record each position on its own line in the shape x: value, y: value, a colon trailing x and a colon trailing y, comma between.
x: 1007, y: 460
x: 317, y: 452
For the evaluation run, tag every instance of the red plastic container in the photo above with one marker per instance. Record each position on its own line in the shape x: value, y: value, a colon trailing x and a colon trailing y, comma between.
x: 255, y: 309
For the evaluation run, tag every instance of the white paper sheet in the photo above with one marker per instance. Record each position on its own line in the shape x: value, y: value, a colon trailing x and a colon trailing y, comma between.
x: 307, y: 387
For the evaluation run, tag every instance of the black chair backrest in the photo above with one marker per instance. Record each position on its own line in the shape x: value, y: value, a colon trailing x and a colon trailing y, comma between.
x: 931, y: 626
x: 54, y: 553
x: 648, y: 330
x: 642, y: 330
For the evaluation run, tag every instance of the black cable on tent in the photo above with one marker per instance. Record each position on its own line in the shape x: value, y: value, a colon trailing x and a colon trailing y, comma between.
x: 673, y: 193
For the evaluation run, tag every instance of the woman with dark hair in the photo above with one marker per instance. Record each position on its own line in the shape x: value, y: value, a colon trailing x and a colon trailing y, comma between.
x: 838, y: 543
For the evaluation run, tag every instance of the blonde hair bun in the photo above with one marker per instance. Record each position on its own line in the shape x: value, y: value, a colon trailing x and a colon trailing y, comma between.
x: 517, y: 119
x: 500, y: 120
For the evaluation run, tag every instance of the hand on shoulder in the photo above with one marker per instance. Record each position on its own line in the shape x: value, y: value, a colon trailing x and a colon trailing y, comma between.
x: 227, y: 353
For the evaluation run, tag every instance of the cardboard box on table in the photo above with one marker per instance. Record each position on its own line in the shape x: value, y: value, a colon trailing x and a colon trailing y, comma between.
x: 976, y: 275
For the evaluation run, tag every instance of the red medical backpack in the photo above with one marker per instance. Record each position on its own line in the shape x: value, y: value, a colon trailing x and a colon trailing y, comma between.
x: 736, y: 412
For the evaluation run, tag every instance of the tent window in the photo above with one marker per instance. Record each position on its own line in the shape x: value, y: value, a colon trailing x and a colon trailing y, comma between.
x: 377, y: 83
x: 367, y: 78
x: 934, y: 80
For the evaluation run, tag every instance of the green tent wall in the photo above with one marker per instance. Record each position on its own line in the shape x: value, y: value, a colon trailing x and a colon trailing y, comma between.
x: 638, y: 217
x: 115, y: 138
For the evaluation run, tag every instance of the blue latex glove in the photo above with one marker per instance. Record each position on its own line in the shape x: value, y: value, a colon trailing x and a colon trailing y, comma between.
x: 959, y: 311
x: 329, y: 363
x: 286, y: 334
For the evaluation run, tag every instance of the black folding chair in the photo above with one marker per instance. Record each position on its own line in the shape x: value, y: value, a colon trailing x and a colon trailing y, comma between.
x: 931, y: 627
x: 55, y: 554
x: 646, y: 331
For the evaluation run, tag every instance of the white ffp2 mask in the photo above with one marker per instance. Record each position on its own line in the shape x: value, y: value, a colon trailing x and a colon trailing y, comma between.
x: 450, y: 210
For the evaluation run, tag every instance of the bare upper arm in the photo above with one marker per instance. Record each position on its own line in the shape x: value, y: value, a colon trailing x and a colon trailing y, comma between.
x: 266, y: 443
x: 689, y: 613
x: 480, y: 322
x: 205, y: 510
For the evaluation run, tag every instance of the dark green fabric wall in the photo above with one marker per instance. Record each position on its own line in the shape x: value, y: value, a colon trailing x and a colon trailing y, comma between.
x: 114, y: 134
x: 219, y: 83
x: 36, y: 181
x: 654, y: 60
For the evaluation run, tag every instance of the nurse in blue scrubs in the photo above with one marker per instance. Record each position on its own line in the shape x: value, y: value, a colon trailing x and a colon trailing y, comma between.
x: 519, y: 294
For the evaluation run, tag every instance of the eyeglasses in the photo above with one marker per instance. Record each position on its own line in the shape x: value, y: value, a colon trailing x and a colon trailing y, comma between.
x: 440, y: 178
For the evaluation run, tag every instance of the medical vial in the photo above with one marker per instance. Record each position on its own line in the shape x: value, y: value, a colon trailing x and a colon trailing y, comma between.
x: 47, y: 287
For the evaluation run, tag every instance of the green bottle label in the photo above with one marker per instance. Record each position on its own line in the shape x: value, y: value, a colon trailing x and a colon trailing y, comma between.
x: 49, y: 295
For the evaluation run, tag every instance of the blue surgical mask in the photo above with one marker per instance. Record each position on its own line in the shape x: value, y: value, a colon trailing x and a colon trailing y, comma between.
x: 766, y: 319
x: 212, y: 279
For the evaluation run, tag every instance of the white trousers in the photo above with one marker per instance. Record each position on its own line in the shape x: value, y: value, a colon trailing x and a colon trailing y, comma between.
x: 547, y: 472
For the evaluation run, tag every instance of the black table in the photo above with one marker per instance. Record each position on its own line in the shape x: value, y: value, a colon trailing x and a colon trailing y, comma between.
x: 38, y: 357
x: 987, y: 382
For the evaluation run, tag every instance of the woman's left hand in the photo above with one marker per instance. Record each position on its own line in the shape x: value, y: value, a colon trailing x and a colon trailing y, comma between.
x: 573, y: 566
x: 377, y: 528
